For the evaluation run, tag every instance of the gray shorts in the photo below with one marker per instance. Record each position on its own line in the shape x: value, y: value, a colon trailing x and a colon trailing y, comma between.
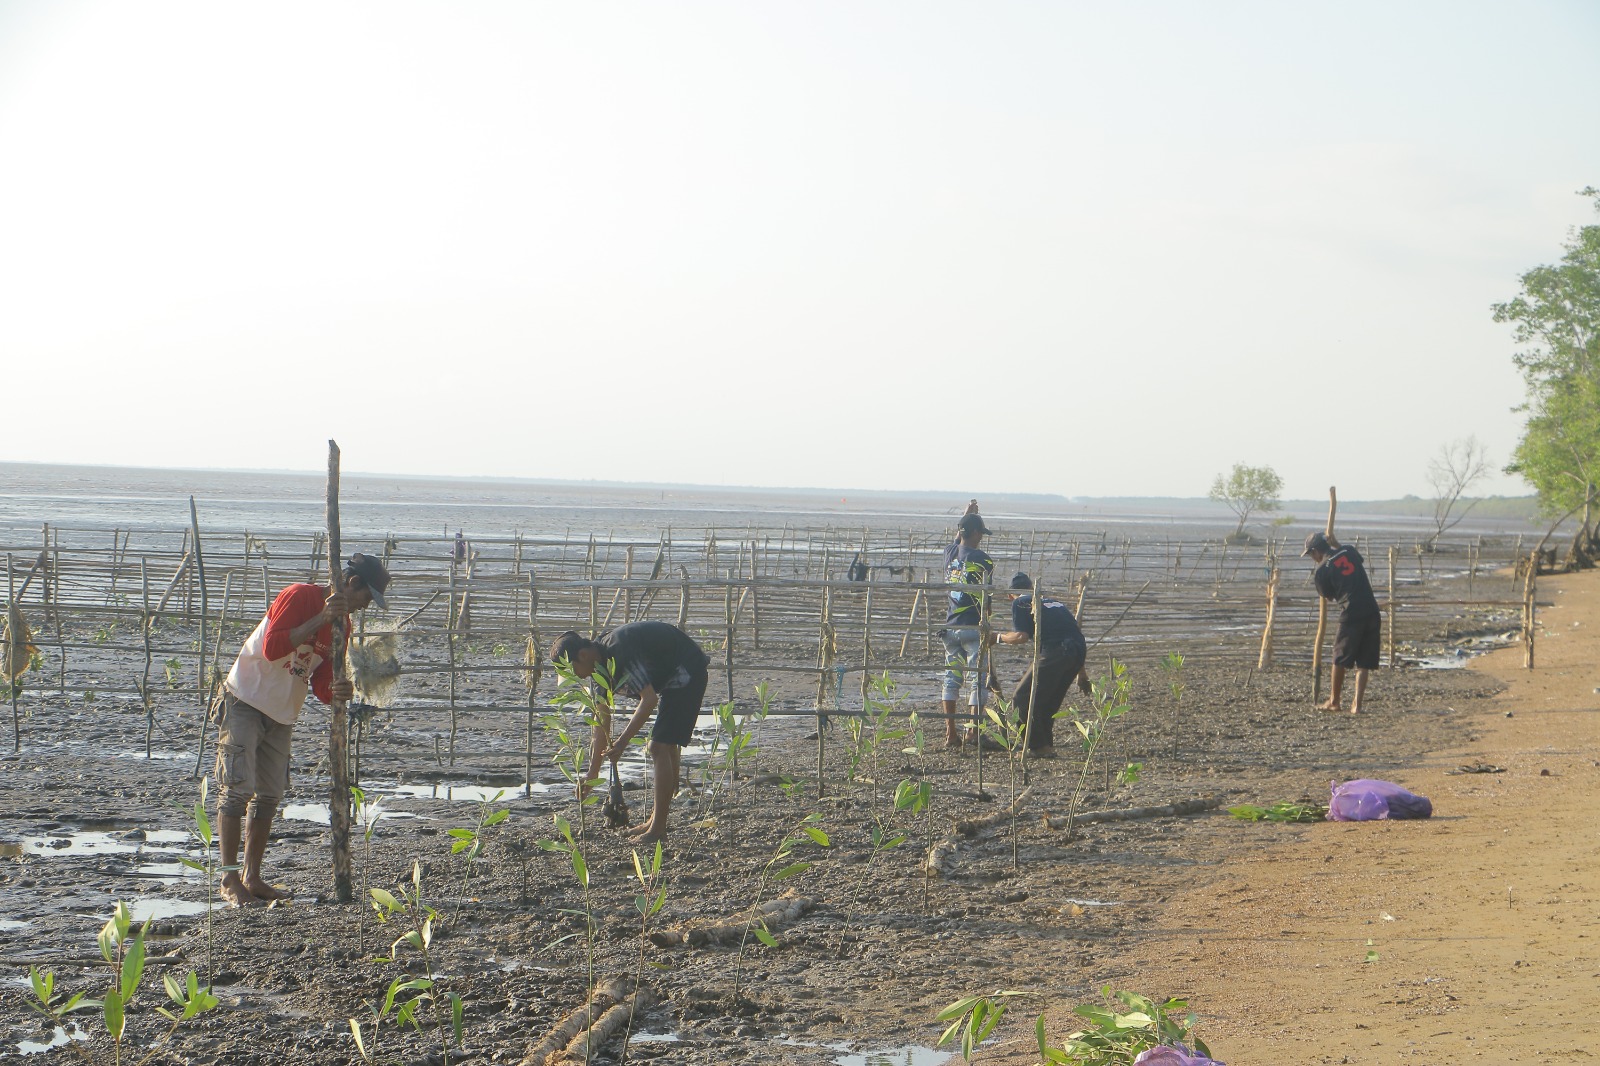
x: 252, y: 759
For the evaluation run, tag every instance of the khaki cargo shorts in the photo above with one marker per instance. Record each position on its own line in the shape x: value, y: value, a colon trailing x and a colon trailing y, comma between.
x: 252, y: 759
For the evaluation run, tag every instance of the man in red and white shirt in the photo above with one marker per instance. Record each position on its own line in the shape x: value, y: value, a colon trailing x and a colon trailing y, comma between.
x: 288, y: 652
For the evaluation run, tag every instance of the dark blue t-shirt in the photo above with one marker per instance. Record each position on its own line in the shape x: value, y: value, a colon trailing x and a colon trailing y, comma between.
x: 1060, y: 627
x: 1342, y: 578
x: 966, y: 566
x: 657, y: 654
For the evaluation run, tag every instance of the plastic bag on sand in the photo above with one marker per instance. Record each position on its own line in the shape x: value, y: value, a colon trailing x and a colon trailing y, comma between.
x: 1366, y: 801
x: 1170, y: 1055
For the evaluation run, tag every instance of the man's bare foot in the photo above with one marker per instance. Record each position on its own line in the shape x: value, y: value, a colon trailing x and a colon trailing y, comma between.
x: 1355, y: 709
x: 953, y: 741
x: 262, y: 890
x: 1327, y: 705
x: 649, y: 837
x: 232, y: 889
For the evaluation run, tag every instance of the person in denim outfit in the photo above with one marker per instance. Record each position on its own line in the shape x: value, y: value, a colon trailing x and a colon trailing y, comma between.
x: 965, y: 564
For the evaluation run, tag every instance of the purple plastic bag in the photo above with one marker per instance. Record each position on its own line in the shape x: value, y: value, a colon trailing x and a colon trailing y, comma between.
x: 1366, y: 800
x: 1170, y: 1055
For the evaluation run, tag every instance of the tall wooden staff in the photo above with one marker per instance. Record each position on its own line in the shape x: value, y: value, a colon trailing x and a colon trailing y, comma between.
x: 338, y: 736
x: 1322, y: 610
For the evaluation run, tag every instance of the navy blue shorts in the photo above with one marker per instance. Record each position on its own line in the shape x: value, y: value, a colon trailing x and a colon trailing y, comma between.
x: 1357, y: 642
x: 678, y: 709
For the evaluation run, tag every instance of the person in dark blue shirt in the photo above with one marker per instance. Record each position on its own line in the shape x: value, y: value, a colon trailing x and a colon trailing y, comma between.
x: 655, y: 663
x: 1062, y: 651
x: 1341, y: 577
x: 965, y: 564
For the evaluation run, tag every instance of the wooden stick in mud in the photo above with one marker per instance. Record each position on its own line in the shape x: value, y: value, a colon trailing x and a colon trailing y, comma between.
x: 16, y: 715
x: 1322, y: 610
x: 338, y: 731
x: 1529, y: 610
x: 200, y: 657
x: 916, y: 600
x: 183, y: 568
x: 1393, y: 551
x: 1131, y: 814
x: 1265, y: 659
x: 588, y: 1043
x: 144, y: 680
x: 601, y: 999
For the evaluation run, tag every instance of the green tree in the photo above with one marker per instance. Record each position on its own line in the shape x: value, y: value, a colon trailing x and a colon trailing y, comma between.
x: 1247, y: 490
x: 1556, y: 324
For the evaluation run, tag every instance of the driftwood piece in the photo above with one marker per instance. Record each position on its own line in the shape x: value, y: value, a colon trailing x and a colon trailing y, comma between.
x: 773, y: 914
x: 587, y: 1043
x: 1133, y: 814
x: 941, y: 858
x: 605, y: 995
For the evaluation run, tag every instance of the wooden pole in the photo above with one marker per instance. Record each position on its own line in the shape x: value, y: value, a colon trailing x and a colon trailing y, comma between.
x: 1322, y: 611
x: 1529, y: 610
x: 1265, y: 658
x: 16, y: 637
x: 338, y: 731
x: 1393, y: 552
x: 201, y: 688
x: 450, y: 645
x: 144, y: 682
x: 536, y: 654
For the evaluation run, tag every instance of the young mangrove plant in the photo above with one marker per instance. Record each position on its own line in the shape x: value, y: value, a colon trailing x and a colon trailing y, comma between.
x: 1000, y: 724
x: 471, y: 840
x: 1125, y: 1028
x: 1172, y: 667
x: 368, y: 812
x: 873, y: 729
x: 124, y: 952
x: 1109, y: 700
x: 207, y: 864
x: 566, y: 844
x: 586, y: 705
x: 410, y: 909
x: 973, y: 1018
x: 651, y: 898
x: 778, y: 868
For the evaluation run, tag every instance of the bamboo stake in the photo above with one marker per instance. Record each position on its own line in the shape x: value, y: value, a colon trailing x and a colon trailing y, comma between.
x: 727, y: 639
x: 16, y: 715
x: 916, y: 599
x: 1530, y: 610
x: 450, y: 646
x: 536, y: 654
x: 144, y: 682
x: 683, y: 600
x: 1393, y: 552
x: 1322, y: 611
x: 338, y: 733
x: 200, y: 657
x: 1265, y: 659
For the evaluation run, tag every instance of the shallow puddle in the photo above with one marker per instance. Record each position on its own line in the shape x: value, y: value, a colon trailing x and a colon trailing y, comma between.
x: 319, y: 814
x: 57, y: 1039
x: 141, y: 910
x: 910, y: 1055
x: 97, y: 839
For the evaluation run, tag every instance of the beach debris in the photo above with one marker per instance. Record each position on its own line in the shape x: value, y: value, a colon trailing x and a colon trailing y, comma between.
x: 18, y: 654
x: 375, y: 666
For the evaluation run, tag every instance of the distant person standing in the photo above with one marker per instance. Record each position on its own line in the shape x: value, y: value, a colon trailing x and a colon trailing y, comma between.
x: 965, y: 564
x: 288, y: 651
x: 1062, y: 652
x: 659, y: 665
x: 1341, y: 576
x: 461, y: 547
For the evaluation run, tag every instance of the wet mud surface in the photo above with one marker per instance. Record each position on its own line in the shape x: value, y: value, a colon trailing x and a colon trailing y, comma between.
x: 87, y: 820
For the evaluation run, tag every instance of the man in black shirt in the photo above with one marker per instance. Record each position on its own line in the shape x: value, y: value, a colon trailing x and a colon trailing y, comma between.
x: 1062, y: 651
x: 656, y: 663
x: 1340, y: 576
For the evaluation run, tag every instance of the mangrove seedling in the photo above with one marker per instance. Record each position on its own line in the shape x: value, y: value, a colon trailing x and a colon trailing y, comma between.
x: 873, y: 729
x: 1172, y: 667
x: 1109, y: 700
x: 1121, y: 1029
x: 409, y: 908
x: 471, y: 840
x: 567, y: 845
x: 1005, y: 730
x: 651, y: 898
x: 973, y: 1018
x: 173, y: 668
x: 589, y: 702
x: 124, y: 952
x: 206, y: 864
x: 778, y: 868
x: 368, y: 813
x: 883, y: 836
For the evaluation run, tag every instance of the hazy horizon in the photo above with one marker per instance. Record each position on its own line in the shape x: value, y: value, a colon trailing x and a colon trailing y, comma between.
x: 1079, y: 249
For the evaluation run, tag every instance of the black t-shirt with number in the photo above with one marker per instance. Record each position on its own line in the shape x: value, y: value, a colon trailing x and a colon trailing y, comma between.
x: 1342, y: 577
x: 966, y: 566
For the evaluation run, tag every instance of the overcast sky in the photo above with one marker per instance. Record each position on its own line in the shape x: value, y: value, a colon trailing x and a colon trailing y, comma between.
x: 1080, y: 248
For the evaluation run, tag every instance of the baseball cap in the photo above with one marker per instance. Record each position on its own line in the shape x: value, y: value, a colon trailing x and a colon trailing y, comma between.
x: 972, y: 523
x: 372, y: 575
x: 1316, y: 542
x: 1019, y: 580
